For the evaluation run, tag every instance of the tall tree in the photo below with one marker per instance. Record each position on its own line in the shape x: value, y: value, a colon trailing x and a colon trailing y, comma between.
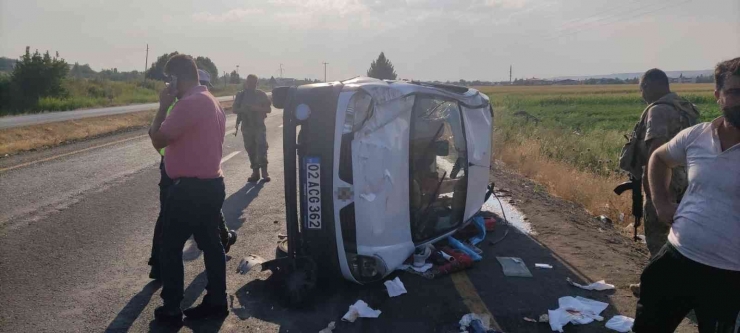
x: 156, y: 72
x: 382, y: 68
x: 35, y: 76
x: 207, y: 65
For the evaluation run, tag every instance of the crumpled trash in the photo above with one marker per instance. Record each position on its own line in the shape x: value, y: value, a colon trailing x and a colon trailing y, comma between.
x: 543, y: 266
x: 475, y: 323
x: 575, y: 310
x: 620, y: 324
x: 329, y: 328
x: 249, y: 262
x: 598, y: 285
x: 395, y: 287
x: 360, y: 310
x: 421, y: 269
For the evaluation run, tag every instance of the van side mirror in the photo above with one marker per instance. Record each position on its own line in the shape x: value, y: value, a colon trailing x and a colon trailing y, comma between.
x: 280, y: 97
x: 442, y: 148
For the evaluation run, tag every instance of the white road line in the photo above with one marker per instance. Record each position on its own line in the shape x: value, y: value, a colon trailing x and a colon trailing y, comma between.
x: 228, y: 157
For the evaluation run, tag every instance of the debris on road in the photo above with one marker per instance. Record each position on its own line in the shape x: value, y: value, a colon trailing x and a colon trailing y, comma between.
x: 360, y: 310
x: 475, y: 323
x: 543, y: 266
x: 514, y: 267
x: 249, y: 262
x: 620, y: 324
x: 329, y: 328
x: 395, y: 287
x: 575, y: 310
x: 545, y: 318
x: 598, y: 285
x: 530, y: 320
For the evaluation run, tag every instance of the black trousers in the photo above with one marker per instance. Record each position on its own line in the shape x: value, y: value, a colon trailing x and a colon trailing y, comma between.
x: 672, y: 285
x: 193, y: 207
x: 164, y: 184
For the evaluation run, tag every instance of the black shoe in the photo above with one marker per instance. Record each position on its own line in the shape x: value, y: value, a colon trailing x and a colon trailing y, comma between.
x: 154, y: 273
x: 207, y: 311
x: 168, y: 315
x: 232, y: 239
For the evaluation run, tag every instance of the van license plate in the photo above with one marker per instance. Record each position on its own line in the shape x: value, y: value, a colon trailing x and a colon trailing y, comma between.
x: 313, y: 192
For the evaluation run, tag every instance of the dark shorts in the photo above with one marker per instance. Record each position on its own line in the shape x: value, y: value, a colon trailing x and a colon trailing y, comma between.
x: 673, y: 285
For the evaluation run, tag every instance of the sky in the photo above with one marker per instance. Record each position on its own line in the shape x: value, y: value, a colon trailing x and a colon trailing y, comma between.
x: 425, y: 40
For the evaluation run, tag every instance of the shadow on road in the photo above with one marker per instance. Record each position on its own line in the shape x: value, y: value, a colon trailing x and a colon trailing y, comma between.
x: 133, y: 309
x: 233, y: 207
x: 436, y: 305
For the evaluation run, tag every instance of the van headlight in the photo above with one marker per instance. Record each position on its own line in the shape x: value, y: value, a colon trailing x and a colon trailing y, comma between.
x: 366, y: 268
x: 358, y: 110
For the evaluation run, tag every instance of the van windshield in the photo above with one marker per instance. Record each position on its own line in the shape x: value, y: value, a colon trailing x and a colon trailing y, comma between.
x: 438, y: 165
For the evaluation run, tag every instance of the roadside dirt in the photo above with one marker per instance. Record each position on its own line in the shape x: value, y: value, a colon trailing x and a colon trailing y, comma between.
x: 595, y: 250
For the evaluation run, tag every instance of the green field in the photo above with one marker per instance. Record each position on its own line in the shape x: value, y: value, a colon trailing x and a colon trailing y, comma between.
x: 583, y: 125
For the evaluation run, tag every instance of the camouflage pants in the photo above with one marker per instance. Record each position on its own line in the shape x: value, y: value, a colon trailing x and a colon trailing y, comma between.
x: 255, y: 142
x: 656, y: 232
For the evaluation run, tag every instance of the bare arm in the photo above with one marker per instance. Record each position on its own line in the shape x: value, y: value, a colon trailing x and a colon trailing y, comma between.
x: 653, y: 145
x: 659, y: 172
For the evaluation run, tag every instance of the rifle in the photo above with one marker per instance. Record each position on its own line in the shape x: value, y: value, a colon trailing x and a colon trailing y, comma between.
x: 635, y: 185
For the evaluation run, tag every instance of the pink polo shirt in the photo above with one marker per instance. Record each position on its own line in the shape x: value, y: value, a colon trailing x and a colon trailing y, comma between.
x: 195, y: 132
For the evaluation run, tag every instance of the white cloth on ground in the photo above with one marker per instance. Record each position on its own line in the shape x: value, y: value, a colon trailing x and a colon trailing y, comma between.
x: 575, y: 310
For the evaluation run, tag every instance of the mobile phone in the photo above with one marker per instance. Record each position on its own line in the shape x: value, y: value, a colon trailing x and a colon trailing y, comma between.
x: 172, y: 86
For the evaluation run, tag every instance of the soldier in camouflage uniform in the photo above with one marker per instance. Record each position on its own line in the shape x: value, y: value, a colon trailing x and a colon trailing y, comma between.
x: 665, y: 116
x: 251, y: 106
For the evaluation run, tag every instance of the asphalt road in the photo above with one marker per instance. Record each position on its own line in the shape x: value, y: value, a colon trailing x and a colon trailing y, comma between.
x: 75, y: 236
x: 50, y: 117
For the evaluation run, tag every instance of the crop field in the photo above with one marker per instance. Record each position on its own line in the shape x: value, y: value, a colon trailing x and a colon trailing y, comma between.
x: 569, y: 137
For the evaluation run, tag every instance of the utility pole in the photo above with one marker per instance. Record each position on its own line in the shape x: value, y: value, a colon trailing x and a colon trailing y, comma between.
x: 237, y: 69
x: 281, y: 72
x: 325, y: 63
x: 510, y: 74
x: 146, y: 62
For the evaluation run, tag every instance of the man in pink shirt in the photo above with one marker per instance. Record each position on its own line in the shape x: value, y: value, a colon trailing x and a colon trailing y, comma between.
x: 193, y: 134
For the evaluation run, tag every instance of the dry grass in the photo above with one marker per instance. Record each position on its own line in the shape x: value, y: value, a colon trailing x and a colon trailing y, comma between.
x: 20, y: 139
x: 593, y: 191
x: 14, y: 140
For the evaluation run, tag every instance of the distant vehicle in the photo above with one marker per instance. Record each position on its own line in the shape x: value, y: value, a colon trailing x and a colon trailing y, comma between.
x: 379, y: 168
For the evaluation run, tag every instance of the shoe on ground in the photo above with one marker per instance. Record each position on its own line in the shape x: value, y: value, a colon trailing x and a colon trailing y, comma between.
x: 255, y: 177
x: 154, y: 273
x: 265, y: 175
x: 168, y: 315
x: 207, y: 311
x: 231, y: 241
x: 635, y: 289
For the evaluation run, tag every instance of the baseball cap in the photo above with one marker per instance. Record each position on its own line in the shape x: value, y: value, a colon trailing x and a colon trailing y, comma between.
x: 204, y: 78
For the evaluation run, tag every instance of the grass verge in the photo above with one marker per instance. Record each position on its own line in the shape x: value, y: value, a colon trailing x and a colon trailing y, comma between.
x: 34, y: 137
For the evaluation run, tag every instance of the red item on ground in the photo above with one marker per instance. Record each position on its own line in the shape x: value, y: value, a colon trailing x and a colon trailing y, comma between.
x: 461, y: 262
x: 490, y: 223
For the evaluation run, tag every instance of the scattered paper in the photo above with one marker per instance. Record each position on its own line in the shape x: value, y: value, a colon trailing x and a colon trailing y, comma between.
x: 575, y: 310
x: 529, y: 320
x: 620, y: 324
x: 329, y: 328
x: 543, y: 266
x: 421, y: 269
x: 395, y: 287
x: 514, y: 267
x: 598, y: 285
x: 468, y: 319
x: 360, y: 310
x: 545, y: 318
